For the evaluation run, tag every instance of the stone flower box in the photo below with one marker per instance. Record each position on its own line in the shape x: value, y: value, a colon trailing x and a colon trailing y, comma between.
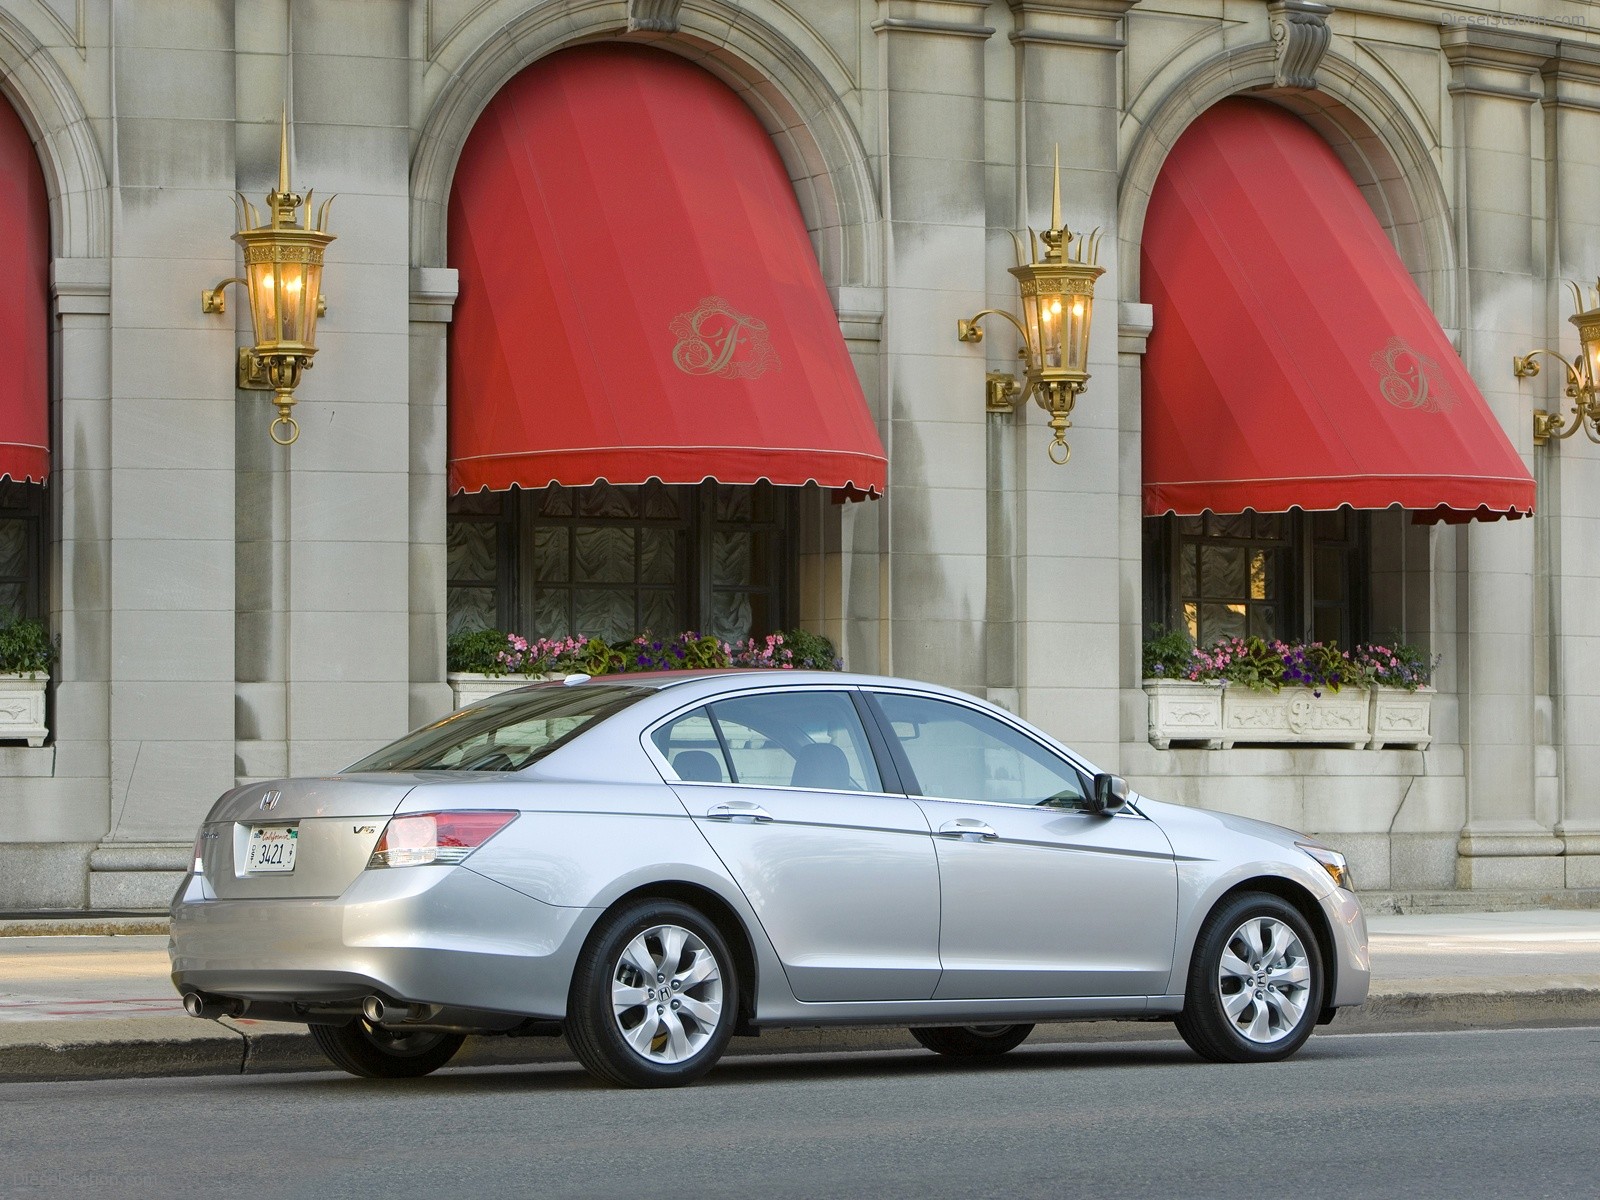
x: 1184, y: 711
x: 1219, y: 716
x: 1400, y: 718
x: 22, y: 708
x: 469, y: 687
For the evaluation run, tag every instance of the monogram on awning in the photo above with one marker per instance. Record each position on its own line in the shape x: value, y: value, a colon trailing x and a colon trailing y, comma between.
x: 639, y: 298
x: 1293, y: 361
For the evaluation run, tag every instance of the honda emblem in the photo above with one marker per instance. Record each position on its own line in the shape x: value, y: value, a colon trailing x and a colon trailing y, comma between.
x: 270, y: 800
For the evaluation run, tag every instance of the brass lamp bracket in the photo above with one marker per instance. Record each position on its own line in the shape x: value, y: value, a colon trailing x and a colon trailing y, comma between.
x: 1001, y: 391
x: 215, y: 300
x: 1552, y: 426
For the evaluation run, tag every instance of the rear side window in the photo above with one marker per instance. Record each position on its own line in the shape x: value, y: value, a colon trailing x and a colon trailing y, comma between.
x: 778, y: 739
x: 959, y: 753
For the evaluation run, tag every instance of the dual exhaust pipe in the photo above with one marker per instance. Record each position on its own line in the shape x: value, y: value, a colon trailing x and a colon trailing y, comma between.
x: 375, y: 1009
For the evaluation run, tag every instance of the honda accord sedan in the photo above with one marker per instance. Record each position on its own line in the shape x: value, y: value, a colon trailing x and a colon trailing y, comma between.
x: 655, y: 864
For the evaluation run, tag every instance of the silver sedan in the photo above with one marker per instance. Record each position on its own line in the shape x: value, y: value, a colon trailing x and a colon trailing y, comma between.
x: 654, y: 864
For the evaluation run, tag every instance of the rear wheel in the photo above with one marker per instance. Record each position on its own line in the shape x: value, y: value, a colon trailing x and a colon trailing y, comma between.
x: 1255, y: 982
x: 973, y: 1041
x: 377, y: 1053
x: 654, y: 996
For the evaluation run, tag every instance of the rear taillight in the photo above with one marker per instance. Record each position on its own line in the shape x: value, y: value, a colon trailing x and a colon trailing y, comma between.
x: 437, y: 837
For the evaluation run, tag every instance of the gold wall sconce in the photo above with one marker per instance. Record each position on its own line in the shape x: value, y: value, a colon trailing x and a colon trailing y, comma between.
x: 1582, y: 376
x: 283, y: 277
x: 1057, y: 293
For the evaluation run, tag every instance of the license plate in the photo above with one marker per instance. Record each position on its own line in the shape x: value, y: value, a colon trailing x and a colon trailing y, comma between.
x: 271, y: 848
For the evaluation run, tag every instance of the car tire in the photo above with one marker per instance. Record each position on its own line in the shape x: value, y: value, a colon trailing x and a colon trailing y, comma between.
x: 1256, y: 983
x: 972, y: 1041
x: 375, y: 1053
x: 655, y: 995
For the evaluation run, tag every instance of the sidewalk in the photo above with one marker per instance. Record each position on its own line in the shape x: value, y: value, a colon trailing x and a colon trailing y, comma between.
x: 99, y: 1004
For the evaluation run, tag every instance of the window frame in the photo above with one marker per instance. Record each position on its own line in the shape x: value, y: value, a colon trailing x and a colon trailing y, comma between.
x: 28, y: 503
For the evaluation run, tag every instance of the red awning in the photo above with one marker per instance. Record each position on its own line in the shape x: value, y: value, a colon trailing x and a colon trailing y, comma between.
x: 1293, y: 361
x: 24, y: 306
x: 639, y: 296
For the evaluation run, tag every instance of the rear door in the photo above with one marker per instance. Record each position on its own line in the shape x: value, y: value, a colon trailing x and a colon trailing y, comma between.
x: 841, y: 873
x: 311, y: 837
x: 1039, y: 897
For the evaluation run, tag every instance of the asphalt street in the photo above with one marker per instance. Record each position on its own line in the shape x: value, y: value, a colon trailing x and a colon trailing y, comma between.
x: 1481, y: 1113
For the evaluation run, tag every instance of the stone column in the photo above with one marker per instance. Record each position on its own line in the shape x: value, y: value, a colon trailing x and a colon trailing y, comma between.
x: 349, y: 477
x: 1569, y: 471
x: 1508, y: 840
x: 171, y: 454
x: 433, y: 298
x: 931, y: 72
x: 1068, y: 544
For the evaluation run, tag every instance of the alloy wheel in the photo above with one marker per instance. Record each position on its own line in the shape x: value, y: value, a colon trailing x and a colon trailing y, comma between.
x: 667, y: 994
x: 1264, y: 980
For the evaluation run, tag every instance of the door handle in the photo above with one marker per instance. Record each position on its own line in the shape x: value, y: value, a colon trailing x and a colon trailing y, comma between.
x: 968, y: 829
x: 738, y: 810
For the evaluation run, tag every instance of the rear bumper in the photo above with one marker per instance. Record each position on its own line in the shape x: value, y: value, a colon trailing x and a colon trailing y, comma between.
x: 423, y: 935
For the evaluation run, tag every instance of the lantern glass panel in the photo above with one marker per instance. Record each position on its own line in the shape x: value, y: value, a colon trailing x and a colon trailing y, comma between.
x: 1053, y: 321
x: 1076, y: 315
x: 1591, y: 351
x: 261, y: 279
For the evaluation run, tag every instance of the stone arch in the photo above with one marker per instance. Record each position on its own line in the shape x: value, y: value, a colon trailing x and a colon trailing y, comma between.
x: 794, y: 99
x: 1376, y: 140
x: 74, y: 173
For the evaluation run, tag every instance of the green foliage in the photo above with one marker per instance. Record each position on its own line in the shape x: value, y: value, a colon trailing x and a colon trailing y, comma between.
x: 1256, y: 665
x: 26, y: 648
x: 1168, y: 654
x: 811, y: 651
x: 478, y: 650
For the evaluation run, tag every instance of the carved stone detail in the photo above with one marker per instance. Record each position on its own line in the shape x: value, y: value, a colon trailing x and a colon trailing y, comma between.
x: 1300, y: 37
x: 653, y: 16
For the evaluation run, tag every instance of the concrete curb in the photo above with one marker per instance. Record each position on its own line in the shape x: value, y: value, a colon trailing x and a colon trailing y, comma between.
x: 37, y: 1052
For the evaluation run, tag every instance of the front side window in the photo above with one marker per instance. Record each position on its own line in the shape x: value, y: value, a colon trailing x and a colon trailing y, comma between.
x: 959, y: 753
x: 505, y: 733
x: 612, y: 562
x: 806, y: 739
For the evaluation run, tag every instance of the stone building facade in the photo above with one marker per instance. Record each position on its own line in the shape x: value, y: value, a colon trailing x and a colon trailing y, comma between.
x: 229, y: 609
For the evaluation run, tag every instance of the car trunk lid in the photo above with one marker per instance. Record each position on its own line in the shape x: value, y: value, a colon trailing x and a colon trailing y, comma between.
x: 297, y: 837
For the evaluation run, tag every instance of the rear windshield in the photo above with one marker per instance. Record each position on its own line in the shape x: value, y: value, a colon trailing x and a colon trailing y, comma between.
x: 505, y: 733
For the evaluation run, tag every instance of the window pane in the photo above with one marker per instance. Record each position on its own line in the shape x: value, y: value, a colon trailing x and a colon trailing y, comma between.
x: 659, y: 613
x: 732, y: 616
x: 1188, y: 571
x: 1237, y: 526
x: 1223, y: 572
x: 798, y: 739
x: 658, y: 556
x: 1327, y: 624
x: 660, y: 502
x: 734, y: 503
x: 1221, y: 620
x: 1263, y: 574
x: 959, y: 753
x: 550, y: 615
x: 10, y: 601
x: 550, y: 555
x: 1191, y: 527
x: 473, y: 551
x: 1329, y: 573
x: 690, y: 746
x: 13, y: 549
x: 605, y: 613
x: 556, y: 501
x: 731, y: 556
x: 1263, y: 621
x: 468, y: 608
x: 603, y: 553
x: 1272, y: 525
x: 604, y: 500
x: 1330, y: 526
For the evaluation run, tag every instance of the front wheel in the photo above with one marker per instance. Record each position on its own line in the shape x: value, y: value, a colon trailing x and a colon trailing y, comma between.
x: 373, y: 1052
x: 654, y: 996
x: 972, y: 1041
x: 1255, y: 982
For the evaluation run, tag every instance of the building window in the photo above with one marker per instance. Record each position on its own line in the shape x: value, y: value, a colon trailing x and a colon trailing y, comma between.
x: 21, y: 551
x: 610, y: 562
x: 1295, y: 575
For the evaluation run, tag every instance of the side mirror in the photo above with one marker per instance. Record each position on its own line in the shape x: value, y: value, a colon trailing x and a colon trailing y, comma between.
x: 1110, y: 794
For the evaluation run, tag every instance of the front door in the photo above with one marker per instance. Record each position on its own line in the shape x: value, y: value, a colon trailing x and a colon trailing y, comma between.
x: 842, y: 875
x: 1040, y: 897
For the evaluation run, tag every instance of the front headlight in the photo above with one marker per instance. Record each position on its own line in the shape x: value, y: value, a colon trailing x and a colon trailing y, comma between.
x: 1332, y: 862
